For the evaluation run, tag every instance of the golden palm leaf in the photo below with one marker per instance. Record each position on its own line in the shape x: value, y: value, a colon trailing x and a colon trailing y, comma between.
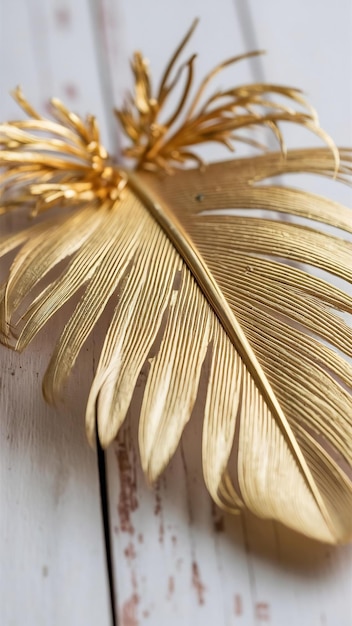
x: 189, y: 279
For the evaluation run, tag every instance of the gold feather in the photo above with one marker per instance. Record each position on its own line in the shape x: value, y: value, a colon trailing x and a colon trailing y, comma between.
x: 192, y: 271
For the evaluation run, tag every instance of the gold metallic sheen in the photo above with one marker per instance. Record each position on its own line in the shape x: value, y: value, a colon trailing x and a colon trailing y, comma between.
x: 193, y: 273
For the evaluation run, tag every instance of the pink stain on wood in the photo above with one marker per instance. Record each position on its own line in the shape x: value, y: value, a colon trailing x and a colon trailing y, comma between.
x: 170, y: 586
x: 129, y: 611
x: 158, y: 512
x: 197, y: 583
x: 262, y: 611
x: 106, y: 21
x: 238, y: 604
x: 70, y: 91
x: 161, y: 532
x: 62, y: 17
x: 130, y: 551
x: 127, y: 498
x: 157, y: 507
x: 48, y: 109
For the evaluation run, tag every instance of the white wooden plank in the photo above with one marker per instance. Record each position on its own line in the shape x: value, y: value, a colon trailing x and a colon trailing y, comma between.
x: 177, y: 559
x: 309, y: 46
x: 52, y: 552
x: 51, y: 541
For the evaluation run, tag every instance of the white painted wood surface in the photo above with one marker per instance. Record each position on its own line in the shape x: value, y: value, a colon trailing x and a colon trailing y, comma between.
x: 52, y: 555
x: 177, y: 560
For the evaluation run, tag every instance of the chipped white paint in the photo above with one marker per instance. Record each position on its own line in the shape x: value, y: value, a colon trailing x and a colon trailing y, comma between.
x: 177, y: 559
x: 52, y: 557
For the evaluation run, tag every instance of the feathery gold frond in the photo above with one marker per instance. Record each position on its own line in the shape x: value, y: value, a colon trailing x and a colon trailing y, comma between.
x: 163, y: 144
x: 188, y: 279
x: 67, y: 166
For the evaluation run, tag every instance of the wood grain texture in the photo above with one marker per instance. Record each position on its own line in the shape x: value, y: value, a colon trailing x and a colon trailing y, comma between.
x: 51, y: 540
x: 52, y: 556
x: 177, y: 559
